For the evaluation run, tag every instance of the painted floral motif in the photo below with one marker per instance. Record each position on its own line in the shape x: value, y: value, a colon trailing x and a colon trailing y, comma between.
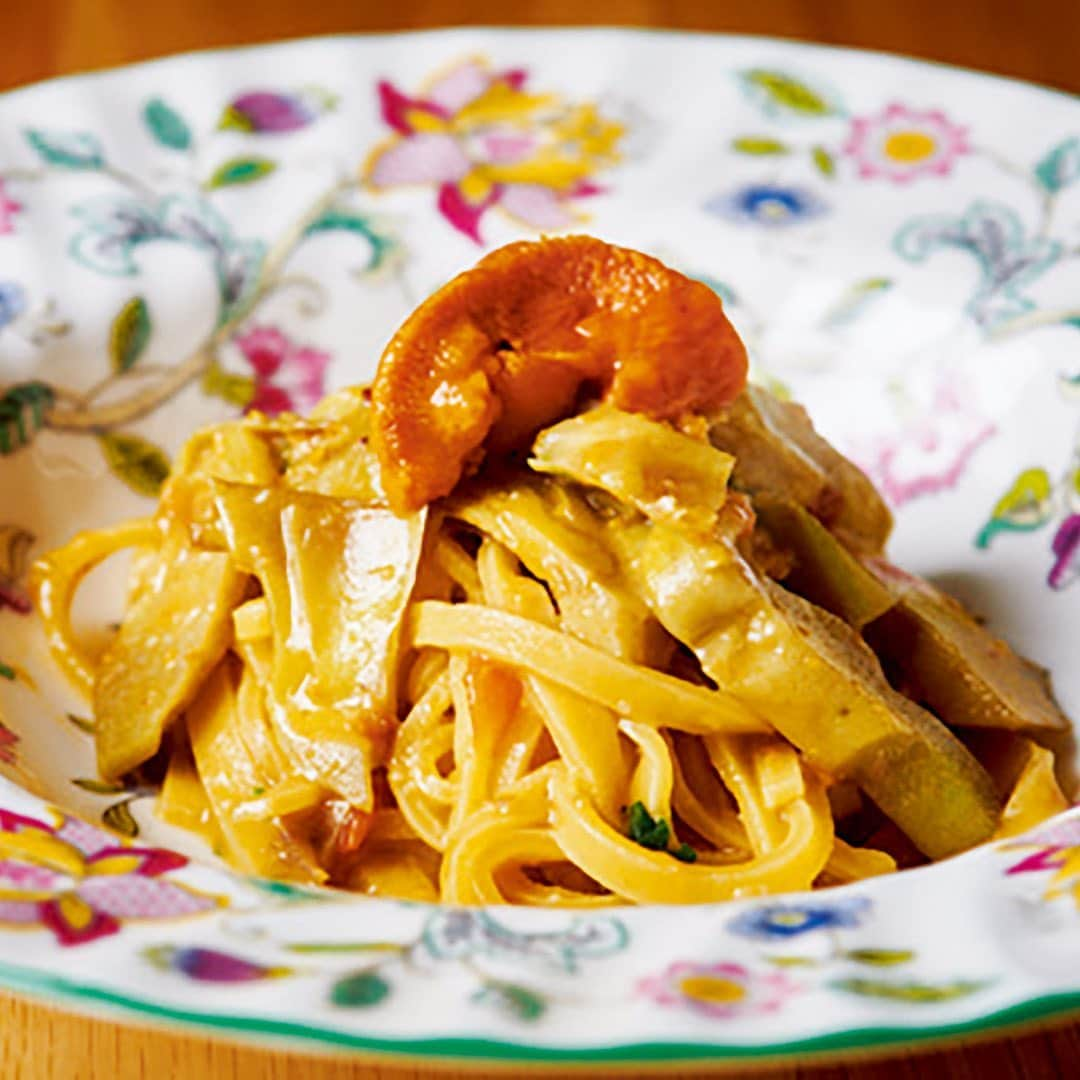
x: 1066, y: 549
x: 1034, y: 500
x: 930, y: 444
x: 772, y: 205
x: 460, y: 934
x: 286, y: 377
x: 901, y: 144
x: 720, y: 991
x: 1054, y: 849
x: 211, y: 965
x: 110, y: 232
x: 930, y: 452
x: 1027, y: 505
x: 268, y: 112
x: 784, y: 96
x: 115, y: 227
x: 485, y: 141
x: 1009, y: 258
x: 8, y: 209
x: 81, y: 883
x: 844, y: 966
x: 465, y: 942
x: 781, y: 921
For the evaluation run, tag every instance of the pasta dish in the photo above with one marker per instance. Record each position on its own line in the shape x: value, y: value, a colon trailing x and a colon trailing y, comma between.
x: 560, y: 611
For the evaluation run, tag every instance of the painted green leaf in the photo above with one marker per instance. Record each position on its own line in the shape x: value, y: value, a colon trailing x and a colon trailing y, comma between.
x: 791, y: 961
x: 166, y: 124
x: 517, y: 1001
x: 87, y: 727
x: 284, y: 890
x: 880, y: 957
x: 1061, y: 166
x: 1026, y: 506
x: 916, y: 993
x: 241, y: 170
x: 129, y: 334
x: 119, y: 818
x: 76, y: 150
x: 7, y: 672
x: 383, y: 246
x: 237, y: 390
x: 342, y: 220
x: 787, y: 93
x: 98, y: 787
x: 22, y: 412
x: 825, y: 162
x: 360, y: 991
x: 759, y: 145
x: 139, y: 463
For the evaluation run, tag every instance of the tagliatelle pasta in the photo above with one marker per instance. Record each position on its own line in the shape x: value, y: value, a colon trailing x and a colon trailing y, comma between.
x: 586, y: 674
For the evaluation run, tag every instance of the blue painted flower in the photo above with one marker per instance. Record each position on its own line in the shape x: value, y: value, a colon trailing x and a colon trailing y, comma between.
x: 12, y: 302
x: 772, y: 205
x: 791, y: 920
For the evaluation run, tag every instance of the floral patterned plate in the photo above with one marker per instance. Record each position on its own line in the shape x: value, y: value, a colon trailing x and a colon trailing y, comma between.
x: 900, y: 246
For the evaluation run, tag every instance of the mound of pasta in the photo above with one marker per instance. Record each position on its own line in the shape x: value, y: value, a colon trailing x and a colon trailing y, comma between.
x: 560, y: 612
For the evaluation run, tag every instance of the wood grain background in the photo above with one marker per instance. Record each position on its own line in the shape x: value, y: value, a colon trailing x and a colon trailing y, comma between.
x: 1030, y: 39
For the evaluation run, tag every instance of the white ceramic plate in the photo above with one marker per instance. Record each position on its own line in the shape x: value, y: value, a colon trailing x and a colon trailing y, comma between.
x: 898, y: 243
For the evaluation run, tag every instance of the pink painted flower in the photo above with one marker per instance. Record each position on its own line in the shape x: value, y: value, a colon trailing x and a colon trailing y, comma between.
x: 901, y: 144
x: 718, y: 990
x: 485, y: 142
x: 8, y: 209
x: 930, y: 452
x: 287, y: 377
x: 81, y: 882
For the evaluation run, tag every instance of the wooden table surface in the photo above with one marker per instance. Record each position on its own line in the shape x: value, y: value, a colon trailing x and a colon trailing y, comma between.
x: 1035, y: 40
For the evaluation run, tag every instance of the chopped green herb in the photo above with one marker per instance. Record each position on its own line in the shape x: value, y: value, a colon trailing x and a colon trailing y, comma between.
x: 6, y: 672
x: 258, y: 793
x: 685, y: 853
x: 655, y: 834
x: 649, y: 832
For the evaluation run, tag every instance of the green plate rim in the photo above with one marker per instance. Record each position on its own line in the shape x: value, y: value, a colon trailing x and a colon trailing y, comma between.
x: 51, y: 987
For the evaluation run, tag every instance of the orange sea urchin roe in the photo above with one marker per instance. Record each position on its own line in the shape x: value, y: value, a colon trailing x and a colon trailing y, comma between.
x: 505, y: 348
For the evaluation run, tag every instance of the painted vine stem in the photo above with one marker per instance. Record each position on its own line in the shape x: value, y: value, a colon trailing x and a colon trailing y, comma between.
x: 78, y: 412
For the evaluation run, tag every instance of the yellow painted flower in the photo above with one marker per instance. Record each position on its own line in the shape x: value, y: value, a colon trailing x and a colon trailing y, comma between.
x: 485, y: 142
